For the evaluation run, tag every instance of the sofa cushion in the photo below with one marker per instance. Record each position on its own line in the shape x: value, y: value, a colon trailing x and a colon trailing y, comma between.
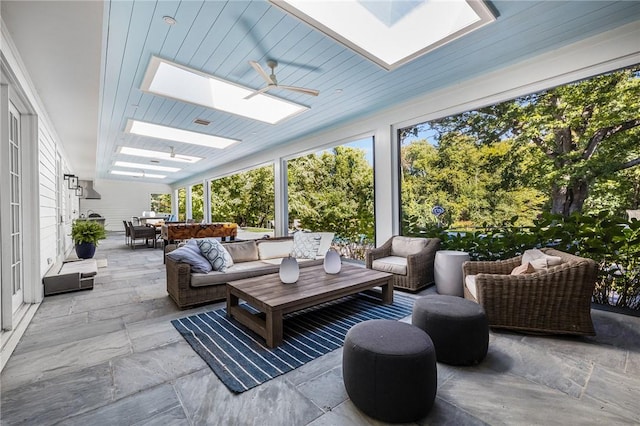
x: 470, y: 283
x: 232, y: 274
x: 393, y: 264
x: 190, y: 253
x: 273, y: 249
x: 215, y: 253
x: 406, y: 246
x: 244, y: 251
x: 278, y: 261
x: 305, y: 245
x: 325, y: 242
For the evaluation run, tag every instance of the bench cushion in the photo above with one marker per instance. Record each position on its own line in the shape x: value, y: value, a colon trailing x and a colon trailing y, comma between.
x: 86, y: 268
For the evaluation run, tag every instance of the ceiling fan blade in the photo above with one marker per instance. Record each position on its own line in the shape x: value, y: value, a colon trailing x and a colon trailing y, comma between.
x: 304, y: 90
x: 262, y: 72
x: 257, y: 92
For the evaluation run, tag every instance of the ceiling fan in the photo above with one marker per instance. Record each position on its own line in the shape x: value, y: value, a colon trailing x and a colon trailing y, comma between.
x: 272, y: 82
x: 178, y: 156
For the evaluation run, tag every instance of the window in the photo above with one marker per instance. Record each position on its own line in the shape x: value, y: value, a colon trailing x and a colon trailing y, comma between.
x: 332, y: 191
x: 245, y: 198
x: 182, y: 205
x: 197, y: 199
x: 161, y: 204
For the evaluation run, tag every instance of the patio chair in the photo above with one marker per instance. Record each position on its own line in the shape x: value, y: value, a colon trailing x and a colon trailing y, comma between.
x: 410, y: 260
x: 142, y: 232
x: 556, y: 300
x: 127, y: 232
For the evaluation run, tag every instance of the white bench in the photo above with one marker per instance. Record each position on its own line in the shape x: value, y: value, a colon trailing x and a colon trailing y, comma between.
x: 70, y: 276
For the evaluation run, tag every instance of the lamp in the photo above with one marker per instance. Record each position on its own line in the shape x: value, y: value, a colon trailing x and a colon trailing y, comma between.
x: 73, y: 181
x: 332, y: 262
x: 289, y: 270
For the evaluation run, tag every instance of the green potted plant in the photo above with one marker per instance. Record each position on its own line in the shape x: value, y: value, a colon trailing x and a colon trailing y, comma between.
x: 85, y: 235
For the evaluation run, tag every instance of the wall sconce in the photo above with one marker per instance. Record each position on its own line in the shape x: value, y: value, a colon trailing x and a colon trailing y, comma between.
x: 79, y: 191
x: 73, y: 181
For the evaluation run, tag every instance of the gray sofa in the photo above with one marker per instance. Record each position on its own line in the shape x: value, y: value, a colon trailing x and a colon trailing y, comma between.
x: 251, y: 259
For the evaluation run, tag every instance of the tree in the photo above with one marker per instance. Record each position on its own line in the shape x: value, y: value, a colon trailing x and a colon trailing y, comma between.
x: 333, y: 191
x: 585, y: 131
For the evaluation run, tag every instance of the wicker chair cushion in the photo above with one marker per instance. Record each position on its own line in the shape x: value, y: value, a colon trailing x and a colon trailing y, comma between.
x: 470, y: 283
x: 392, y: 264
x: 406, y: 246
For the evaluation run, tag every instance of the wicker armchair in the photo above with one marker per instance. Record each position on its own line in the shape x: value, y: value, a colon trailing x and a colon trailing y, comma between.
x: 554, y: 301
x: 410, y: 260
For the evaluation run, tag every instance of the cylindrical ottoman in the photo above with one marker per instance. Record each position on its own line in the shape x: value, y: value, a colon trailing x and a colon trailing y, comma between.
x: 447, y: 271
x: 458, y: 328
x: 389, y: 370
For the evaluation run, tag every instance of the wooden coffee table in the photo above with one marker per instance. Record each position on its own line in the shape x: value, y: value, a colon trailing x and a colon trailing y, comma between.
x: 274, y: 299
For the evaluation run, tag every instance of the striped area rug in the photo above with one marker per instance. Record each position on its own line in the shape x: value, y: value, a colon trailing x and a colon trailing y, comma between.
x: 240, y: 358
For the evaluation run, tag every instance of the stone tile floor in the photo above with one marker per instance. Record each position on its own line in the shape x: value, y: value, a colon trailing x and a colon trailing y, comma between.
x: 110, y: 356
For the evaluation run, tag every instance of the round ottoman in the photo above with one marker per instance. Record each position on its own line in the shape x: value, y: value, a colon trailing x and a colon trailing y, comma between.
x: 458, y: 328
x: 389, y: 370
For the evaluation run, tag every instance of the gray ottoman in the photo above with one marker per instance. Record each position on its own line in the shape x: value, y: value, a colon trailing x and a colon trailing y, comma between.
x: 458, y: 328
x: 389, y: 370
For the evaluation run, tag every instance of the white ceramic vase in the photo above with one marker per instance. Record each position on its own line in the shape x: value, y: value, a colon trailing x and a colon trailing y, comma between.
x: 289, y: 270
x: 332, y: 262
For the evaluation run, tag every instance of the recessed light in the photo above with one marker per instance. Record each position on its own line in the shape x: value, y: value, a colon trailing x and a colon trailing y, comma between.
x: 136, y: 174
x: 146, y: 166
x: 169, y: 20
x: 202, y: 121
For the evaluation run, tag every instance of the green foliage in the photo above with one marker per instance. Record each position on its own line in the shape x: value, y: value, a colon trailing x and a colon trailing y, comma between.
x: 87, y: 231
x: 474, y: 183
x: 613, y: 242
x: 333, y: 191
x: 197, y: 202
x: 582, y: 132
x: 245, y: 198
x: 161, y: 203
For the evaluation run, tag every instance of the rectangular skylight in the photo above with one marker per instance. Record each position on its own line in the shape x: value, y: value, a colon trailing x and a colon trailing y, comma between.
x: 137, y: 174
x: 172, y: 134
x: 146, y: 166
x: 390, y: 32
x: 137, y: 152
x: 178, y: 82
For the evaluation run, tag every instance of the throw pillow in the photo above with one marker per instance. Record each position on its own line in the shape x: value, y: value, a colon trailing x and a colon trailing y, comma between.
x: 523, y: 269
x: 190, y: 253
x: 305, y: 245
x: 539, y: 259
x: 215, y: 253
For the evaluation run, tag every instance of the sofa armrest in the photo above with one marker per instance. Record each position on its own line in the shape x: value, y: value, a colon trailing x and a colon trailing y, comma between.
x: 178, y: 276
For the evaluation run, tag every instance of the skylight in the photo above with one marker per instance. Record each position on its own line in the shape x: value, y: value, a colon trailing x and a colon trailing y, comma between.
x: 137, y: 152
x: 137, y: 174
x: 172, y: 134
x: 146, y: 166
x: 175, y: 81
x: 389, y: 32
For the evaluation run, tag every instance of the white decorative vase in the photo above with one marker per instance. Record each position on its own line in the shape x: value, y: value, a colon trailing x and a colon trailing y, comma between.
x: 289, y: 270
x: 332, y: 262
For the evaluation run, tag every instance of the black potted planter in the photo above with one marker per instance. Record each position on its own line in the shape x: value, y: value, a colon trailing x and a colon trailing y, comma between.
x: 85, y: 250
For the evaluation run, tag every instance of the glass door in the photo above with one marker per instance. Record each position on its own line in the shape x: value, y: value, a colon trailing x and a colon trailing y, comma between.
x: 15, y: 219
